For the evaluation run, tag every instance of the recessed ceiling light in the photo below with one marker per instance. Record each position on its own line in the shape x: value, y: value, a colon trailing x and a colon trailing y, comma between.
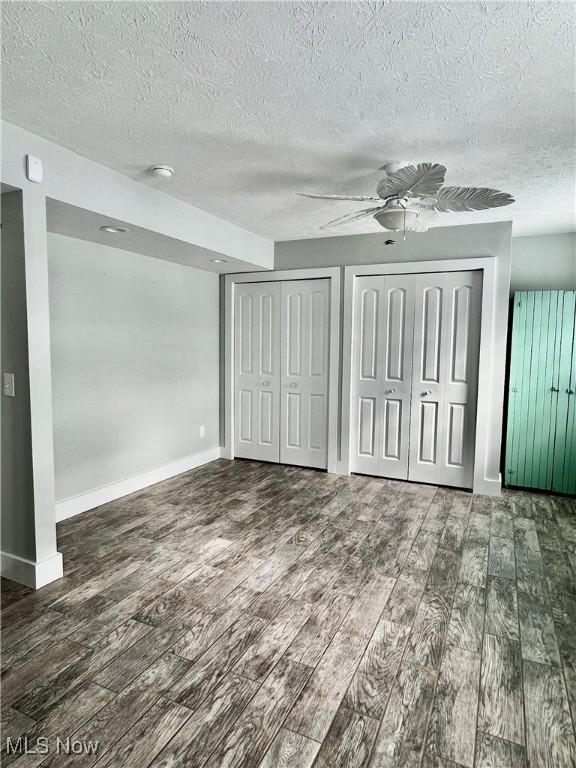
x: 114, y: 230
x: 219, y: 261
x: 164, y: 171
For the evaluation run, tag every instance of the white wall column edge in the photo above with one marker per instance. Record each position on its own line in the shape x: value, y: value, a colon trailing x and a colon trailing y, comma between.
x: 40, y: 369
x: 39, y: 562
x: 95, y: 498
x: 333, y: 274
x: 34, y: 575
x: 491, y: 363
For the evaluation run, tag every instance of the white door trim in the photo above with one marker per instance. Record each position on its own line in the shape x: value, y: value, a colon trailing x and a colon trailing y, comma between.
x: 230, y: 281
x: 490, y: 374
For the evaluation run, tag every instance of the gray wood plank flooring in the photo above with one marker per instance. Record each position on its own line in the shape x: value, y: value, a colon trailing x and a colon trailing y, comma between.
x: 252, y: 615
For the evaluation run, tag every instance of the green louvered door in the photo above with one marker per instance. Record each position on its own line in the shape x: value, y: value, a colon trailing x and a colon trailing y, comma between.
x: 541, y: 433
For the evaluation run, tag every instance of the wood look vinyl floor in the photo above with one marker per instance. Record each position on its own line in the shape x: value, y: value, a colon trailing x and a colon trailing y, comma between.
x: 248, y: 615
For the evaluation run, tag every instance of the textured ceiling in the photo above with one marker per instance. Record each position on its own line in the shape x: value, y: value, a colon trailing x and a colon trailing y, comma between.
x: 255, y: 101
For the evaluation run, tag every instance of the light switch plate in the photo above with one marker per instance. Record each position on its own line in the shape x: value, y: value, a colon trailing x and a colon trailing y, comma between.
x: 202, y: 431
x: 8, y: 388
x: 34, y: 170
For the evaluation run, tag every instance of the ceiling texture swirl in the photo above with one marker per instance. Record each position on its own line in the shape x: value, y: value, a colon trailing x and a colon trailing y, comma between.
x: 252, y: 102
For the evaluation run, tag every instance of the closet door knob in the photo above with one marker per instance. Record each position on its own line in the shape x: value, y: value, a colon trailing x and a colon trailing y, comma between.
x: 293, y: 385
x: 390, y: 391
x: 570, y: 391
x: 554, y: 389
x: 428, y: 392
x: 265, y: 383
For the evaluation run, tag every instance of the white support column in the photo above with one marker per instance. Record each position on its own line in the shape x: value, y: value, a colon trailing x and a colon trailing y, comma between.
x: 39, y: 361
x: 29, y: 553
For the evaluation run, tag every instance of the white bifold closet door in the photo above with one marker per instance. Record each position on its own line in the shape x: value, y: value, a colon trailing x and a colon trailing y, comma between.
x: 257, y: 371
x: 445, y: 378
x: 281, y: 363
x: 414, y: 376
x: 382, y: 371
x: 305, y: 349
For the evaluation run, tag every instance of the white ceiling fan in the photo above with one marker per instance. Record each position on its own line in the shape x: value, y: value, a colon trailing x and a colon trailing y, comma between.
x: 409, y: 198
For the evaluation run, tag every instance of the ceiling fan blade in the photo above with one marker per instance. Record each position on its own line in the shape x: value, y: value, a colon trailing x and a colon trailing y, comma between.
x: 352, y: 217
x: 470, y: 199
x: 357, y: 198
x: 425, y: 203
x: 424, y: 179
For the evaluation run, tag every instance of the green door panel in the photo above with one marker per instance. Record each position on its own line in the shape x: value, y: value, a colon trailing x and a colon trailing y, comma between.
x: 541, y: 428
x: 562, y: 472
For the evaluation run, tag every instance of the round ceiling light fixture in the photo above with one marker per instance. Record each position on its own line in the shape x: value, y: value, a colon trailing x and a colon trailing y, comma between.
x: 161, y: 171
x: 113, y: 229
x: 219, y: 261
x: 396, y: 219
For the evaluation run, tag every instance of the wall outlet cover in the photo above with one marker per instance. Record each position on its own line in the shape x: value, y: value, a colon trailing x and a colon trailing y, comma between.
x: 9, y: 388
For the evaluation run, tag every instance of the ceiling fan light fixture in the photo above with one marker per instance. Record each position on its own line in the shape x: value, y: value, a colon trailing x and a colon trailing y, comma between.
x: 409, y: 197
x: 397, y: 219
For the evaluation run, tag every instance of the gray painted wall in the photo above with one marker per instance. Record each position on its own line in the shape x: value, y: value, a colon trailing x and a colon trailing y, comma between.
x: 17, y: 482
x: 135, y: 362
x: 544, y: 263
x: 438, y: 243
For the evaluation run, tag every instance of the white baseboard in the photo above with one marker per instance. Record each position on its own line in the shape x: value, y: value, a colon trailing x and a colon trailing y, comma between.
x: 85, y: 501
x: 488, y: 487
x: 338, y: 468
x: 30, y: 573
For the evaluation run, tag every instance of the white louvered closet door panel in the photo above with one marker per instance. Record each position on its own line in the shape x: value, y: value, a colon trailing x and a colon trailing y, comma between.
x: 382, y: 374
x: 257, y: 371
x: 445, y: 377
x: 305, y: 345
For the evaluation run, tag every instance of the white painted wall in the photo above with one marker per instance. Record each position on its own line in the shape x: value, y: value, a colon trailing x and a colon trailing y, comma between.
x: 135, y: 363
x: 544, y: 263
